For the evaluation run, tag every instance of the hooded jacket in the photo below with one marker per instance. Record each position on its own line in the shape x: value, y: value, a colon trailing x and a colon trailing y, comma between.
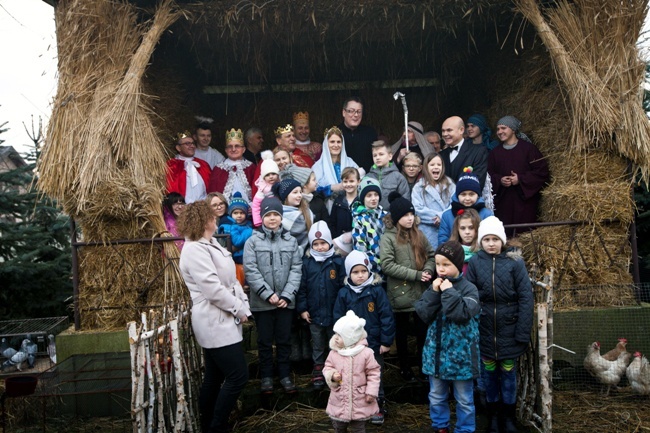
x: 272, y: 264
x: 390, y: 180
x: 319, y: 287
x: 398, y: 265
x: 429, y: 203
x: 507, y: 303
x: 371, y: 304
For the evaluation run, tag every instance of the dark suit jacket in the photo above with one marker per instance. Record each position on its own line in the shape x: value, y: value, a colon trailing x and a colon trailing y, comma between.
x: 475, y: 155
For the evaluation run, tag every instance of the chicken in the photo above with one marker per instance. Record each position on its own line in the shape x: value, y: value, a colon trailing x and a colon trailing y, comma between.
x: 638, y: 374
x: 612, y: 355
x: 7, y: 351
x: 606, y: 372
x: 18, y: 358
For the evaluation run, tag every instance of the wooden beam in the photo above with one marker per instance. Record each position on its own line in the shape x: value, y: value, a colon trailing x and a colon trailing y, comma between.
x: 319, y: 87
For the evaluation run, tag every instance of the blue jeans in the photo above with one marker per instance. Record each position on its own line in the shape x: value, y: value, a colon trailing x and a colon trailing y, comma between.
x: 500, y: 378
x: 439, y: 404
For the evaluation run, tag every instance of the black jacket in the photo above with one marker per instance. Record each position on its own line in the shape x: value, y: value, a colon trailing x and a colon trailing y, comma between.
x: 506, y: 303
x: 474, y: 155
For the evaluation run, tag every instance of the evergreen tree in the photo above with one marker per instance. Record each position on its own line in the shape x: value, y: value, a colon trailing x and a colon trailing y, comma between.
x: 35, y: 259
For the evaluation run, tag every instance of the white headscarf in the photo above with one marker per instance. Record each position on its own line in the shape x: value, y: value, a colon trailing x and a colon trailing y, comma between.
x: 425, y: 147
x: 324, y: 167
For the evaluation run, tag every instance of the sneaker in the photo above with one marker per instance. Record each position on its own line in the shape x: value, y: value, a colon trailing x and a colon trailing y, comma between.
x: 288, y: 385
x: 317, y: 379
x: 266, y: 385
x: 378, y: 418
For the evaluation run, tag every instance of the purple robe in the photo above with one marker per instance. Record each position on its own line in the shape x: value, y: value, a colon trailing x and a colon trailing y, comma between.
x: 517, y: 204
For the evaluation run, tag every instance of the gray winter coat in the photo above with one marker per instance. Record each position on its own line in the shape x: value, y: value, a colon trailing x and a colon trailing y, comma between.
x: 272, y: 264
x: 390, y: 180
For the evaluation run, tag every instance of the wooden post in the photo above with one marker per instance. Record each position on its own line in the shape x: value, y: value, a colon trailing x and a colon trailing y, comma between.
x: 544, y: 311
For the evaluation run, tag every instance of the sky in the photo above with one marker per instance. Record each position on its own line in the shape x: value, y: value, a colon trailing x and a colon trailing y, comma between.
x: 28, y: 66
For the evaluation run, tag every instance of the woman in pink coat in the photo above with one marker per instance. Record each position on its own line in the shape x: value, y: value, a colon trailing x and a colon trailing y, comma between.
x: 353, y: 376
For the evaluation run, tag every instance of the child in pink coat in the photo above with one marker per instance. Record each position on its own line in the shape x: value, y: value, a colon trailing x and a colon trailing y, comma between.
x: 269, y: 175
x: 353, y: 376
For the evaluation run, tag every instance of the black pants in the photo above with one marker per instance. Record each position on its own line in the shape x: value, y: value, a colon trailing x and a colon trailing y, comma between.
x: 226, y: 374
x: 402, y: 327
x: 274, y: 325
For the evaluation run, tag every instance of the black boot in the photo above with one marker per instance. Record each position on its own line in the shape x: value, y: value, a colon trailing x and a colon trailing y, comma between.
x: 510, y: 418
x: 493, y: 417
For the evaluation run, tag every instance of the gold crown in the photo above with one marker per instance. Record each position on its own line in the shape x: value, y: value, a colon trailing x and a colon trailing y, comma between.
x: 283, y: 130
x: 300, y: 116
x: 333, y: 129
x: 234, y: 135
x: 182, y: 135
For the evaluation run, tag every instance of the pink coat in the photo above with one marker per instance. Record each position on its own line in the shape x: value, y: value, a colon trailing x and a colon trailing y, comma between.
x: 361, y: 375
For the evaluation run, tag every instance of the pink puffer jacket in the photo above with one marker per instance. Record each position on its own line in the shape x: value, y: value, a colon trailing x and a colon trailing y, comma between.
x: 360, y: 377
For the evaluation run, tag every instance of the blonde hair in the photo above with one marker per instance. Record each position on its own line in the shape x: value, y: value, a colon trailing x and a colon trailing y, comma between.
x: 350, y: 171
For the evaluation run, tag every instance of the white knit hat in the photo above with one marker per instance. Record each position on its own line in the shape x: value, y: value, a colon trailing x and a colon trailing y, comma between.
x: 268, y: 166
x: 492, y: 226
x: 350, y: 328
x: 320, y: 231
x: 356, y: 257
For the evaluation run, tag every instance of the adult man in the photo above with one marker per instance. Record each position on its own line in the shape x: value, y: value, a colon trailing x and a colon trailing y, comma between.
x: 301, y: 131
x: 254, y: 144
x: 235, y: 173
x: 518, y: 171
x: 286, y: 140
x: 358, y: 138
x: 186, y: 174
x: 434, y: 139
x: 461, y: 153
x: 202, y: 138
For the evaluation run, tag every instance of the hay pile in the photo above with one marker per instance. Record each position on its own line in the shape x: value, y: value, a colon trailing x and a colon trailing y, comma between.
x: 102, y: 158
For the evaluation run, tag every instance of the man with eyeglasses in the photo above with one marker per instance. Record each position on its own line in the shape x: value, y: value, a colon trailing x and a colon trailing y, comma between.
x: 187, y: 175
x: 358, y: 138
x: 202, y: 138
x: 235, y: 173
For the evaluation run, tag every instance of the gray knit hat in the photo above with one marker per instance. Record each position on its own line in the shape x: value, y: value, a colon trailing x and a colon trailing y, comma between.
x: 292, y: 171
x: 270, y: 204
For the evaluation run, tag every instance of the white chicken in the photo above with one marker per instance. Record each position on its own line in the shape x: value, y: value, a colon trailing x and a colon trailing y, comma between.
x: 18, y: 358
x: 606, y: 372
x: 638, y: 374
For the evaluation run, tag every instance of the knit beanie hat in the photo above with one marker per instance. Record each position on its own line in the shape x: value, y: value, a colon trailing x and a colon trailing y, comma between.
x: 292, y: 171
x: 284, y: 188
x: 454, y: 252
x: 270, y: 204
x: 237, y: 202
x: 492, y: 226
x: 468, y: 181
x: 366, y: 185
x: 320, y: 231
x: 268, y: 166
x: 351, y: 328
x: 355, y: 258
x: 399, y: 206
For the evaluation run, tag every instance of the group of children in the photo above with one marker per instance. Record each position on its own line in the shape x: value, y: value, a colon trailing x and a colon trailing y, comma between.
x: 371, y: 273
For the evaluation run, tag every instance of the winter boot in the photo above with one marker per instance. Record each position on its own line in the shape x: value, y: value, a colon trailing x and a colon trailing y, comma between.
x: 378, y: 418
x: 509, y: 418
x: 317, y: 378
x: 492, y: 411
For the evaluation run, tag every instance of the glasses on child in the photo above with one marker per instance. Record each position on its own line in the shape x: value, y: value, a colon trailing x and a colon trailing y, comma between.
x: 411, y: 167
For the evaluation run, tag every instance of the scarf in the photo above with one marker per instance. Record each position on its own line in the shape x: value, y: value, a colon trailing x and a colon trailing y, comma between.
x: 321, y: 256
x: 456, y: 206
x: 421, y: 141
x: 324, y: 170
x: 360, y: 287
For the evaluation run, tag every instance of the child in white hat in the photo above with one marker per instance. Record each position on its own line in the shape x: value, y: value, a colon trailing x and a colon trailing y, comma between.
x: 353, y: 375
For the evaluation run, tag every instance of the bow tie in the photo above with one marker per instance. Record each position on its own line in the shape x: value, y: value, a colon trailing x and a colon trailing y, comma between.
x: 454, y: 149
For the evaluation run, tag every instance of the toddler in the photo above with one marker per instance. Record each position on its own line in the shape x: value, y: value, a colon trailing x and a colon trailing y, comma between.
x: 269, y: 175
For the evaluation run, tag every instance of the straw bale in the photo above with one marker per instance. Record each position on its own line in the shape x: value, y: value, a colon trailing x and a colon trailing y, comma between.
x: 599, y: 255
x: 590, y: 202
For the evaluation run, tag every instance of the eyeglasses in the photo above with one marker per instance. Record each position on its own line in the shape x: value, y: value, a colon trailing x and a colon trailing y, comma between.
x: 233, y: 146
x: 221, y: 205
x: 409, y: 167
x: 352, y: 111
x: 188, y: 143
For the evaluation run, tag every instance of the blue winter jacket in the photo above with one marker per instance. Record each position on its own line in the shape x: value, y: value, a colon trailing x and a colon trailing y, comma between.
x: 239, y: 234
x: 451, y: 349
x: 507, y: 303
x: 447, y: 220
x: 371, y: 304
x: 319, y: 287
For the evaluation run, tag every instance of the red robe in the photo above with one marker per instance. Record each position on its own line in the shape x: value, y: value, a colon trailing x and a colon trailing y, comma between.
x: 517, y: 204
x: 219, y: 178
x: 177, y: 176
